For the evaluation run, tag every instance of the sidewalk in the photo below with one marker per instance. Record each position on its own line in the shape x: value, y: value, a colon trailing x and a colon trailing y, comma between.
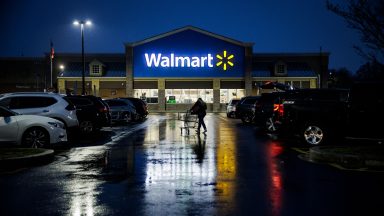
x: 369, y: 157
x: 21, y: 157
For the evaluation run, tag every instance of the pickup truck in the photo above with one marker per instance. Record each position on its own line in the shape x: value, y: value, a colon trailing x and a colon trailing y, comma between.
x: 320, y: 116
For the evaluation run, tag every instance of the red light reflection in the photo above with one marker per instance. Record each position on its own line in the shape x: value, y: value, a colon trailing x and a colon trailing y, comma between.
x: 274, y: 149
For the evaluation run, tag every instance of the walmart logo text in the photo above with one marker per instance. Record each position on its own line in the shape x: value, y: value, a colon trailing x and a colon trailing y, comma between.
x: 172, y: 60
x: 160, y: 60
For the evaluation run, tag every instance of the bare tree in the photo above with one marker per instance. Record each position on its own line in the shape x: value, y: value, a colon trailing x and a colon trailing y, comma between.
x: 367, y: 17
x: 340, y: 78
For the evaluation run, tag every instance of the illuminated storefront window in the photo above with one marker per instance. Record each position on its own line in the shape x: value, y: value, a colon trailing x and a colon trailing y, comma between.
x: 188, y: 96
x: 149, y: 95
x: 298, y: 84
x: 227, y: 94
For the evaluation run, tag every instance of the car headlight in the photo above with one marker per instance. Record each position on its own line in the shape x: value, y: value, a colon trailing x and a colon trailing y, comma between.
x: 56, y: 124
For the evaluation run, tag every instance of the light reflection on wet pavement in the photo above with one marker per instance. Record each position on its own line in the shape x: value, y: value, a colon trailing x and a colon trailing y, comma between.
x: 191, y: 174
x: 180, y: 172
x: 150, y: 168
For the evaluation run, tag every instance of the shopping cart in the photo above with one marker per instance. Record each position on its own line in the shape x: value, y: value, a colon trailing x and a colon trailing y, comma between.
x: 188, y: 121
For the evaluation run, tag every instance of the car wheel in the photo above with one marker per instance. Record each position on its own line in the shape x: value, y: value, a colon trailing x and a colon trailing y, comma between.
x: 270, y: 125
x: 35, y: 138
x: 313, y: 135
x: 86, y: 126
x: 247, y: 119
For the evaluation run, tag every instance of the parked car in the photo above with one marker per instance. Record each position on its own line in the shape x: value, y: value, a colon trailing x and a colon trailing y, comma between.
x: 91, y: 112
x: 140, y: 105
x: 245, y: 108
x: 30, y: 130
x: 317, y: 116
x: 42, y: 103
x: 231, y: 108
x: 122, y: 110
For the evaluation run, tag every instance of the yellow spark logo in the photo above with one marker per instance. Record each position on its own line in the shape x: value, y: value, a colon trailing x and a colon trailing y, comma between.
x: 224, y: 60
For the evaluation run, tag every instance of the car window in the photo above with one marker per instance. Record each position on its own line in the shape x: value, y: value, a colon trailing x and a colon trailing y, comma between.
x: 250, y: 101
x: 80, y: 101
x: 4, y: 112
x: 31, y: 102
x: 5, y: 102
x: 116, y: 103
x: 233, y: 102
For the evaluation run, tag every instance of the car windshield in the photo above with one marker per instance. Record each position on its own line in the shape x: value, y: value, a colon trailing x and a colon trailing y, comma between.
x: 7, y: 112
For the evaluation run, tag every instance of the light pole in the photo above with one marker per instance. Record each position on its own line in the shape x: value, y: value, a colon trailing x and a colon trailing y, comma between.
x: 82, y: 23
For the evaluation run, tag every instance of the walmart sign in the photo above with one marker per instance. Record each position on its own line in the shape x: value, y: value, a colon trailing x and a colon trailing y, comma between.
x: 160, y: 60
x: 188, y: 54
x: 172, y: 60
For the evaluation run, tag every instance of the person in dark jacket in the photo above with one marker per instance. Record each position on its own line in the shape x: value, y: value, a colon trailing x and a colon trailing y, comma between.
x: 200, y: 108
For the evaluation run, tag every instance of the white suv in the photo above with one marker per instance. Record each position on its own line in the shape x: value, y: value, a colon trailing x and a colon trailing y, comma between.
x: 41, y: 103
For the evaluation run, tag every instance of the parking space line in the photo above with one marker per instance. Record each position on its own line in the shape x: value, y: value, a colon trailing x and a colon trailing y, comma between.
x: 301, y: 150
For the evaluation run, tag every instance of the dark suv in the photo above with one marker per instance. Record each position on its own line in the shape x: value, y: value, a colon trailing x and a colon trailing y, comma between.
x: 91, y: 112
x: 140, y: 105
x: 245, y: 108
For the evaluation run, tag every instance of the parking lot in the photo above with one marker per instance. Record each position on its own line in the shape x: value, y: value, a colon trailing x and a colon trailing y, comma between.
x: 152, y: 168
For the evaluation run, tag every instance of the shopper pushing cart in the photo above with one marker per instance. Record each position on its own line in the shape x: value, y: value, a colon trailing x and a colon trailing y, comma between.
x: 200, y: 109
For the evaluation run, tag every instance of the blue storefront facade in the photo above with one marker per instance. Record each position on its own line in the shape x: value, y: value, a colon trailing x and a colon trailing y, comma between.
x: 173, y: 69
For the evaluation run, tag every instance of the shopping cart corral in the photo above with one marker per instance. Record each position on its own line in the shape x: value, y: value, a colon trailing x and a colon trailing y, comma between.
x: 189, y: 121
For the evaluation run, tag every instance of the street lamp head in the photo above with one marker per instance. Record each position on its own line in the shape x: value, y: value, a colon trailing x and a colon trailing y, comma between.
x: 87, y: 22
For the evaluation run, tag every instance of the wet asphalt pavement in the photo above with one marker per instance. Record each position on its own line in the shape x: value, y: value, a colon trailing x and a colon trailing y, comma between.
x: 151, y: 168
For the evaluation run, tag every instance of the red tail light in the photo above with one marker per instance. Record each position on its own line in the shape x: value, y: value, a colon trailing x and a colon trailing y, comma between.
x: 103, y: 109
x: 258, y: 105
x: 279, y: 108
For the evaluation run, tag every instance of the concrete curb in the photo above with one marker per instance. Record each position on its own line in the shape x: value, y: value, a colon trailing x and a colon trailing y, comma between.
x: 34, y: 159
x: 366, y: 157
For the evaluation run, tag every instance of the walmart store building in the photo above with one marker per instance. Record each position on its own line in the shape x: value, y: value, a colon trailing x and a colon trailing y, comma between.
x: 173, y: 69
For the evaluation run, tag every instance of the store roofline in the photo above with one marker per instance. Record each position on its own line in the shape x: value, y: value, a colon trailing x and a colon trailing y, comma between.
x: 189, y: 27
x: 306, y: 54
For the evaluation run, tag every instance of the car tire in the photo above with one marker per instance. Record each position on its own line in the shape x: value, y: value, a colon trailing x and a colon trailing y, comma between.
x: 86, y: 126
x: 35, y: 137
x: 313, y: 134
x: 247, y: 119
x: 270, y: 125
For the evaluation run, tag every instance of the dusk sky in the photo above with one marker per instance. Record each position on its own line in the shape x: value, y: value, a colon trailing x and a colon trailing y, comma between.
x: 274, y: 26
